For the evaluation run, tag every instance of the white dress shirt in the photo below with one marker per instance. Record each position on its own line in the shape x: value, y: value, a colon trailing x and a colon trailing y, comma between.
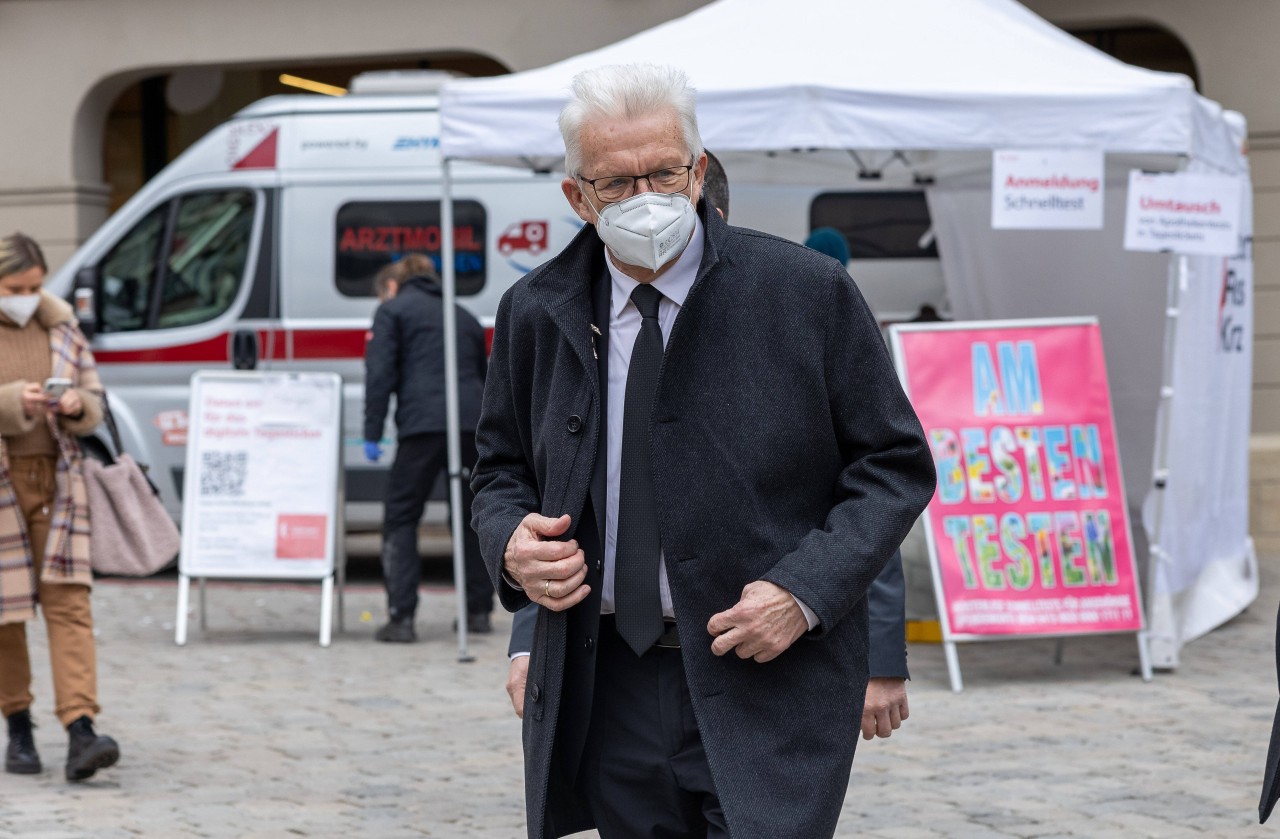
x: 624, y: 325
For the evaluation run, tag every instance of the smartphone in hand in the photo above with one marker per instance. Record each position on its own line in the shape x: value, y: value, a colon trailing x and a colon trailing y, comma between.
x: 54, y: 388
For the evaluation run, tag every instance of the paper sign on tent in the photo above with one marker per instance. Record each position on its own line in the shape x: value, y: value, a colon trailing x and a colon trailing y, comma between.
x: 1183, y: 213
x: 1047, y: 189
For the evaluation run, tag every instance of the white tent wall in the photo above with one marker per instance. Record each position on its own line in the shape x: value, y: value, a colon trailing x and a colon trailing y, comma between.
x: 934, y: 76
x: 1204, y: 567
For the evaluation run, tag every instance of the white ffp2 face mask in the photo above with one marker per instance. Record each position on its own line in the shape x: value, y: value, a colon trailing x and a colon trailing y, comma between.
x: 649, y: 229
x: 19, y: 307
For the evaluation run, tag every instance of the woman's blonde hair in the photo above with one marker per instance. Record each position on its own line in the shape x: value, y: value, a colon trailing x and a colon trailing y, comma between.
x: 409, y: 265
x: 18, y: 253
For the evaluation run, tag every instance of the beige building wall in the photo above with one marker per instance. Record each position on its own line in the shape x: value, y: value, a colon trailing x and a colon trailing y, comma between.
x: 1233, y: 44
x: 65, y: 61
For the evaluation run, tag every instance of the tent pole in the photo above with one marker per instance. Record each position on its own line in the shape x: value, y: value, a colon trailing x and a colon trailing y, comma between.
x: 449, y: 281
x: 1160, y: 467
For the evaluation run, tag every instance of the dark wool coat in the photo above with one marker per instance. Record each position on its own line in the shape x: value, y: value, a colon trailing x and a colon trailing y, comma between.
x: 783, y: 449
x: 405, y: 356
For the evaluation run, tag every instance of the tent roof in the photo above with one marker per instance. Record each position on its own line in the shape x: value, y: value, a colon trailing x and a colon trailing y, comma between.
x: 864, y: 74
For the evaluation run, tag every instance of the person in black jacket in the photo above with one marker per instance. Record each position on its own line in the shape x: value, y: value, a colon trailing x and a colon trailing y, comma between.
x: 405, y: 356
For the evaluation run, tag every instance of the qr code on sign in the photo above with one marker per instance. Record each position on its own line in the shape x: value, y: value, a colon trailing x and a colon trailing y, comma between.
x: 222, y: 473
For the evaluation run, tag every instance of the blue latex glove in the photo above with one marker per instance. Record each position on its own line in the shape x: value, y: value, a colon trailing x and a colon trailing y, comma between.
x: 372, y: 451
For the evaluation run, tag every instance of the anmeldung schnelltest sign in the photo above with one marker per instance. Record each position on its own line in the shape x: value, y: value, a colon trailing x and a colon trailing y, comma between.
x: 1047, y: 189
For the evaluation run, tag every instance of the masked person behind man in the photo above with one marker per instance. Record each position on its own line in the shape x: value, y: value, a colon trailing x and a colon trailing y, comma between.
x: 885, y: 706
x: 405, y: 357
x: 696, y: 456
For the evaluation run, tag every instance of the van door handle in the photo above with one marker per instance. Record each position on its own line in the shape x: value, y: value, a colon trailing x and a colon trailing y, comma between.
x: 244, y: 350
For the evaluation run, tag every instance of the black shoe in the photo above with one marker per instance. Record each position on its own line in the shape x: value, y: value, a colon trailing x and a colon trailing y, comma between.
x: 88, y: 751
x: 21, y: 758
x: 397, y: 632
x: 478, y: 623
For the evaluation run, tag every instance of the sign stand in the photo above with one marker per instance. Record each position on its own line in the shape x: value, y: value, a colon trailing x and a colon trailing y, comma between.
x: 263, y: 488
x: 1030, y: 507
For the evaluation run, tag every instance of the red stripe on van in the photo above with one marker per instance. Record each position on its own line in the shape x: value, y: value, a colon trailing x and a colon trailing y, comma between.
x: 309, y: 344
x: 215, y: 350
x: 329, y: 343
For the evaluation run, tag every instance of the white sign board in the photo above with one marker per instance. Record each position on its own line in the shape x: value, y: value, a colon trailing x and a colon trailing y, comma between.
x: 260, y: 494
x: 1046, y: 189
x: 1182, y: 213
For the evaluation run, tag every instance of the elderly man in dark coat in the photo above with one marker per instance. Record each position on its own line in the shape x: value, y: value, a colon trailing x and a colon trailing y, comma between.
x: 694, y: 453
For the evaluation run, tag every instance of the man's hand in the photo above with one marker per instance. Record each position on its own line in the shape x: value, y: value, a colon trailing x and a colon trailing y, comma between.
x: 885, y: 707
x: 550, y: 572
x: 517, y: 675
x: 763, y: 624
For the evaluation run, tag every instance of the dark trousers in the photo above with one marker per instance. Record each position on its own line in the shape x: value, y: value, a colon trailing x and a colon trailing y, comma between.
x: 644, y: 772
x: 420, y: 458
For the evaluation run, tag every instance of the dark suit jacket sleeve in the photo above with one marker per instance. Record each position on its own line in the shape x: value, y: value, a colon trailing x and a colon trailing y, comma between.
x: 888, y: 477
x: 381, y: 371
x: 522, y: 630
x: 887, y: 605
x: 503, y: 481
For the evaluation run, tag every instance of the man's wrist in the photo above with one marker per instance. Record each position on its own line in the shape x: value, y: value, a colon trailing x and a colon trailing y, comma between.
x: 809, y: 614
x: 509, y: 580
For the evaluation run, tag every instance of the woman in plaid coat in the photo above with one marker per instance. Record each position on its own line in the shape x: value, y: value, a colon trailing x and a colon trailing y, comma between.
x: 44, y: 513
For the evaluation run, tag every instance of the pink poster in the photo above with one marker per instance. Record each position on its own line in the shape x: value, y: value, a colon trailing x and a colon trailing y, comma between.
x: 1029, y: 522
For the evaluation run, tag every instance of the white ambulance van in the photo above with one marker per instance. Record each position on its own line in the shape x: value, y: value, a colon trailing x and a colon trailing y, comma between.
x: 256, y: 249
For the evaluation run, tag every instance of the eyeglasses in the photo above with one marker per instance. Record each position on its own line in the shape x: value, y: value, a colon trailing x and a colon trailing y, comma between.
x: 617, y: 187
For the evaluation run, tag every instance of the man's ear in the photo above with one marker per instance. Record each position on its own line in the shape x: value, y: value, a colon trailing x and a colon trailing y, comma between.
x: 721, y: 212
x: 573, y: 193
x: 699, y: 176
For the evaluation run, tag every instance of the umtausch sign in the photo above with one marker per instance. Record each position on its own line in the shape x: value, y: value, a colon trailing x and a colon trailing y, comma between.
x: 1183, y: 213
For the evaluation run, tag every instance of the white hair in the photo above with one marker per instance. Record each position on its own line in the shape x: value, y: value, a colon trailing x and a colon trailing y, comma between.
x: 627, y: 91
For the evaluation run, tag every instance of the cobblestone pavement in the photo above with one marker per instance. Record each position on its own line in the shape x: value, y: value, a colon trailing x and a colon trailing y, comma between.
x: 252, y: 730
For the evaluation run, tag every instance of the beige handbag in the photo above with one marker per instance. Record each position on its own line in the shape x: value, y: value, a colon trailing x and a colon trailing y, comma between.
x: 130, y: 532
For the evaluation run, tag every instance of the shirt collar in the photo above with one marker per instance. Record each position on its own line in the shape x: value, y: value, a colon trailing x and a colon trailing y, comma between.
x: 674, y: 284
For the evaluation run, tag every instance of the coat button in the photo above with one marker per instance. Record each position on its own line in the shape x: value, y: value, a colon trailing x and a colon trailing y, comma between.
x: 575, y: 424
x: 589, y: 644
x: 534, y: 692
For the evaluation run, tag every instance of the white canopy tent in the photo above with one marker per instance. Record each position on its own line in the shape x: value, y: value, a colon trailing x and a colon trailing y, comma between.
x: 942, y: 81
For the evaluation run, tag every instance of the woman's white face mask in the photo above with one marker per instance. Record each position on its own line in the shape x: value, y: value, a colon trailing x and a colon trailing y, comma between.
x: 649, y: 229
x: 19, y: 308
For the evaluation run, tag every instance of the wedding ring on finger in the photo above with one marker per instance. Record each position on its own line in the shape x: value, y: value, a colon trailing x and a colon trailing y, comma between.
x: 546, y: 588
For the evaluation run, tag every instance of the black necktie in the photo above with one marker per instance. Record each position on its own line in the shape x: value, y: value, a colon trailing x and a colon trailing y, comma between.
x: 637, y: 601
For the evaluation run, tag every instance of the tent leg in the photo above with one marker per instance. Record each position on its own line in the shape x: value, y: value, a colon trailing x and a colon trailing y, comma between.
x: 953, y: 666
x: 1057, y: 652
x: 1144, y: 656
x: 204, y: 605
x: 184, y: 602
x: 326, y: 611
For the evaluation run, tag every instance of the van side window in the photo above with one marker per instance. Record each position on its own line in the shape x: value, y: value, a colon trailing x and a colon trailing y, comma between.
x: 878, y: 225
x: 370, y: 234
x: 195, y: 246
x: 129, y: 272
x: 207, y: 254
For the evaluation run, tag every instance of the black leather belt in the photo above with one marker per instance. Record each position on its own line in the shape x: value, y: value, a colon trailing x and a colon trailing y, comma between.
x: 670, y: 637
x: 668, y: 640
